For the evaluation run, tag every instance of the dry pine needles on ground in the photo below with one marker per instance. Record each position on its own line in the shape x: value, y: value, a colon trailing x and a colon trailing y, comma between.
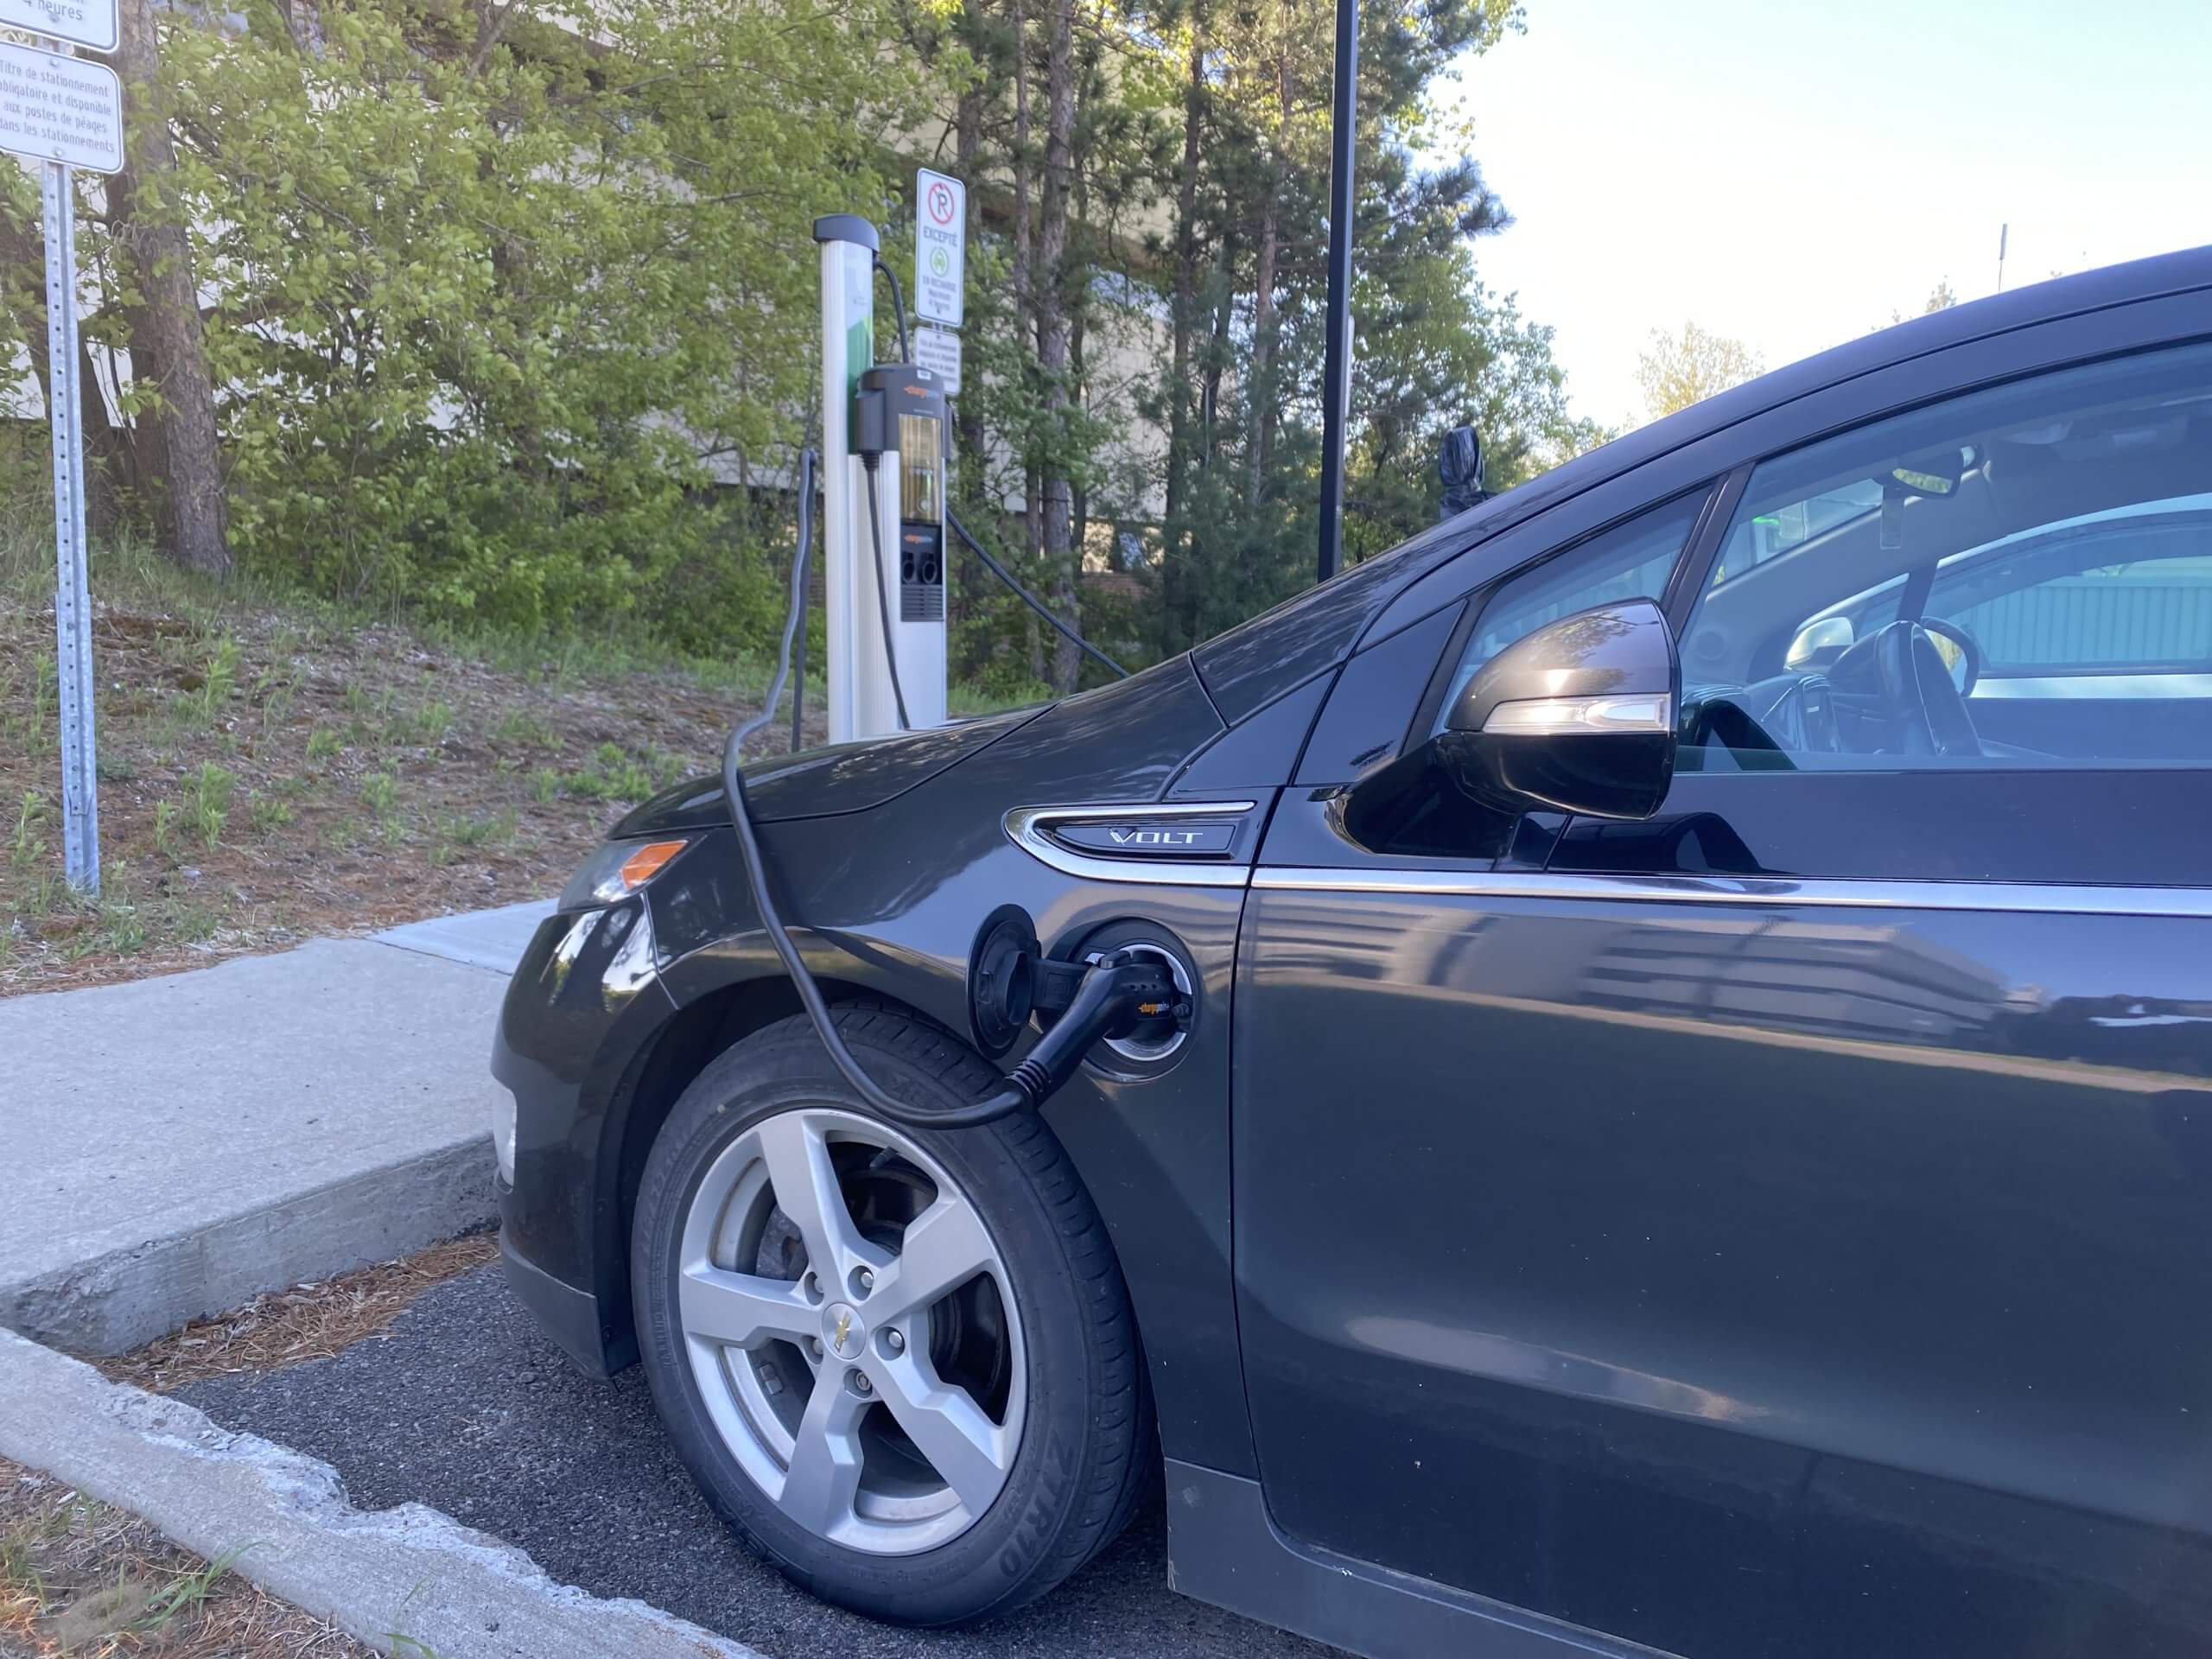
x: 308, y: 1321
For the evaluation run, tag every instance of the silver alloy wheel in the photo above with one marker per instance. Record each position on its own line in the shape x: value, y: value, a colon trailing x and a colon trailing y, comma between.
x: 818, y: 1341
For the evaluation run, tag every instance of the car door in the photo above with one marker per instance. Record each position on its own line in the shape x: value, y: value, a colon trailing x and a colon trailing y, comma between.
x: 1783, y: 1225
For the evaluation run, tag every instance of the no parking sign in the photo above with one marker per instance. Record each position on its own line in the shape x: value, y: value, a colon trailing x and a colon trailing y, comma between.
x: 940, y: 246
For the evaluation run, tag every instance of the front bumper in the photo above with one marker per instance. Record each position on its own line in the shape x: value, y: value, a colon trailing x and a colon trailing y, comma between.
x: 584, y: 1004
x: 571, y: 1316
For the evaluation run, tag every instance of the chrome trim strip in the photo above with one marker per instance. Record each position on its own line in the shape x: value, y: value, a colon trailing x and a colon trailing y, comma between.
x: 2053, y: 900
x: 1025, y: 827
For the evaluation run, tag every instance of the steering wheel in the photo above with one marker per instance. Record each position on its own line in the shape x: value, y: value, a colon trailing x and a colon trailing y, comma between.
x: 1918, y: 691
x: 1966, y: 670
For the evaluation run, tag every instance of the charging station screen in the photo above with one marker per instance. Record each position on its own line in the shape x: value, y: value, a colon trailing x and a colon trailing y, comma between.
x: 918, y: 469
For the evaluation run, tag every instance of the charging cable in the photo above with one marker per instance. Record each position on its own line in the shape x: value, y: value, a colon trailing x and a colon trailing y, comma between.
x: 1114, y: 997
x: 882, y: 597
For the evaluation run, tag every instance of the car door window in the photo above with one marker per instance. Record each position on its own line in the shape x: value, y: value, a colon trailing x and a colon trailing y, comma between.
x: 1632, y: 560
x: 2123, y: 595
x: 2021, y: 578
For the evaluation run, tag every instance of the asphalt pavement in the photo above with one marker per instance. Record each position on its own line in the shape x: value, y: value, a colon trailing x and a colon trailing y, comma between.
x: 466, y: 1407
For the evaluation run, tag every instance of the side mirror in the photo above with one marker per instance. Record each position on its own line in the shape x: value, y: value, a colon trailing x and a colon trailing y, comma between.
x: 1577, y: 717
x: 1819, y: 643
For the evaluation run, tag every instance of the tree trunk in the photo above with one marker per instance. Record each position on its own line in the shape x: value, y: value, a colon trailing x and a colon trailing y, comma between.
x: 180, y: 463
x: 1053, y: 335
x: 1264, y: 403
x: 1174, y: 575
x: 1025, y: 312
x: 968, y: 471
x: 967, y: 155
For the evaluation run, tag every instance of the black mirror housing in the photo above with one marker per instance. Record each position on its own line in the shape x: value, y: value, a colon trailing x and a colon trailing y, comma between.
x: 1577, y: 717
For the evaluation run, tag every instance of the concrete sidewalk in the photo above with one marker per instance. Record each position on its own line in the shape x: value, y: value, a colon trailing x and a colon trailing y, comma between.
x: 175, y: 1147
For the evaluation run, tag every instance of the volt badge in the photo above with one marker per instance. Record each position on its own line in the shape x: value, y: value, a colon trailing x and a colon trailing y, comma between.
x: 1137, y: 839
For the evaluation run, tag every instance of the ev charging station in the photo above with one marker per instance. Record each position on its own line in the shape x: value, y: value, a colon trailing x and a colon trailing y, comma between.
x: 884, y: 434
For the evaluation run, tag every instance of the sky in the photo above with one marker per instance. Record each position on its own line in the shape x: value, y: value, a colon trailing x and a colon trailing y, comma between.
x: 1790, y: 172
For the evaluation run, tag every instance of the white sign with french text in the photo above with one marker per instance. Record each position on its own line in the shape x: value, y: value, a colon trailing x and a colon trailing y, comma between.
x: 937, y: 350
x: 940, y: 247
x: 60, y: 109
x: 80, y: 23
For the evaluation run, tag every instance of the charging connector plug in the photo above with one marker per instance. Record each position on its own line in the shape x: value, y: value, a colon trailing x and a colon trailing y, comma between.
x: 1117, y: 996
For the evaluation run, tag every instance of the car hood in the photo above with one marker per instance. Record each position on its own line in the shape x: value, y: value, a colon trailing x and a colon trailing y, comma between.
x: 817, y: 782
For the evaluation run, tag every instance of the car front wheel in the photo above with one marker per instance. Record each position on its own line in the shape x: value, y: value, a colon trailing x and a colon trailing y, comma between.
x: 903, y: 1363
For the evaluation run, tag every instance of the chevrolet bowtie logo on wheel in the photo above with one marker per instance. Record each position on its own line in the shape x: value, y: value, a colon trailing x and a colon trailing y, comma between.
x: 842, y: 1332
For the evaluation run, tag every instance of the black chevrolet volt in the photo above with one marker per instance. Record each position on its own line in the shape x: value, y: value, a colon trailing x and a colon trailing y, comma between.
x: 1634, y: 1074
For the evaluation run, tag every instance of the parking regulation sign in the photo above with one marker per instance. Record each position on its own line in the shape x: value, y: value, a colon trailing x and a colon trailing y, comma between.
x: 54, y: 108
x: 80, y: 23
x: 937, y: 350
x: 940, y: 246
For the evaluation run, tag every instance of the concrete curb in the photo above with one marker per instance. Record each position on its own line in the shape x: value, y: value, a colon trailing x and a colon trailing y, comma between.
x: 114, y: 1302
x: 409, y: 1573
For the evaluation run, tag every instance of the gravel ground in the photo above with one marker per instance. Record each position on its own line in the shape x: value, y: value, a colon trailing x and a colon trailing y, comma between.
x: 466, y: 1407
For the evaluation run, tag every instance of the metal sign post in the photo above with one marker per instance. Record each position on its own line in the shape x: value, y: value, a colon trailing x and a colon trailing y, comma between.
x: 62, y: 111
x: 72, y: 603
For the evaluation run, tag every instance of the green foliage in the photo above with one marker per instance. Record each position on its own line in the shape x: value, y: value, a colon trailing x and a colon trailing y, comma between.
x: 517, y: 321
x: 1685, y: 368
x: 512, y: 297
x: 323, y: 742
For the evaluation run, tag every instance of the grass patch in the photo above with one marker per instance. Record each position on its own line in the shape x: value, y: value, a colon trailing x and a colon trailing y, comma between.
x: 77, y: 1577
x: 268, y: 812
x: 217, y: 679
x: 427, y: 725
x: 379, y: 793
x: 27, y: 846
x: 207, y: 800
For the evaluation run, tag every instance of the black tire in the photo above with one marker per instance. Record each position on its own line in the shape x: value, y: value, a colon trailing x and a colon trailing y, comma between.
x: 1088, y: 1448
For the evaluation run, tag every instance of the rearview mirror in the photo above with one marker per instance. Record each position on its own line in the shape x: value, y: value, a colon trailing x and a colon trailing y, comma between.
x: 1578, y: 717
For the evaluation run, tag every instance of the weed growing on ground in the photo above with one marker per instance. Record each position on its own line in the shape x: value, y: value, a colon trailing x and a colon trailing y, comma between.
x: 276, y: 688
x: 27, y: 846
x: 479, y: 831
x: 165, y: 828
x: 217, y: 679
x: 518, y: 729
x: 612, y: 775
x: 268, y: 813
x: 207, y: 801
x: 428, y: 725
x: 322, y: 743
x: 380, y: 794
